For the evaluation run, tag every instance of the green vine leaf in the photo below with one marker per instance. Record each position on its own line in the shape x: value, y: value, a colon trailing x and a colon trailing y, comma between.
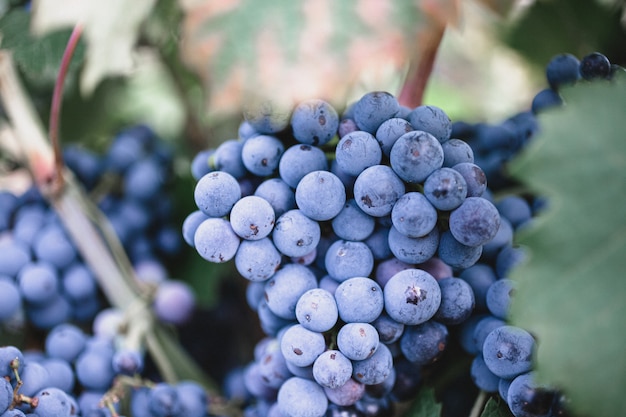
x: 496, y: 408
x: 571, y: 289
x: 37, y: 59
x: 425, y: 404
x: 111, y: 29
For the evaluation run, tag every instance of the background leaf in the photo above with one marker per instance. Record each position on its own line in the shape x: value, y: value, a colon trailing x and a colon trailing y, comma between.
x: 496, y: 408
x: 571, y: 291
x: 295, y: 50
x: 111, y: 29
x: 425, y: 404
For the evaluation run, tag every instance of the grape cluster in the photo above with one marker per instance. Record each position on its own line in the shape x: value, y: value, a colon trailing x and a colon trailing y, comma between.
x: 81, y: 375
x: 43, y: 278
x: 352, y: 232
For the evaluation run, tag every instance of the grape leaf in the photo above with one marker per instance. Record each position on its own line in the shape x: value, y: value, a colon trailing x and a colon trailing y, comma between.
x: 571, y: 290
x: 425, y: 404
x: 496, y: 408
x: 290, y: 50
x: 37, y: 59
x: 111, y: 29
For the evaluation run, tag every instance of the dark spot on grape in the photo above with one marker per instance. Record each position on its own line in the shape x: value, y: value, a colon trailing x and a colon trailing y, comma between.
x: 333, y: 356
x: 367, y: 200
x: 300, y: 242
x: 267, y: 359
x: 305, y: 147
x: 374, y: 289
x: 322, y: 120
x: 499, y: 355
x: 361, y: 332
x: 414, y: 295
x: 441, y: 346
x: 255, y: 229
x: 359, y: 375
x: 264, y: 162
x: 346, y: 144
x: 297, y: 351
x: 307, y: 317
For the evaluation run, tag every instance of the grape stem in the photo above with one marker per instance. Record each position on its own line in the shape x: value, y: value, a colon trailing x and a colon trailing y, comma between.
x: 57, y: 100
x: 479, y: 404
x: 421, y: 67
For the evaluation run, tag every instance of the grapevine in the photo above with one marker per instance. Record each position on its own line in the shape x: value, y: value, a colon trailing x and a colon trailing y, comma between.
x: 291, y: 223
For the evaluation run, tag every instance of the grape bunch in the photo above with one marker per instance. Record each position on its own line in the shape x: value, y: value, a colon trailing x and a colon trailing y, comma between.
x: 351, y: 232
x: 43, y: 278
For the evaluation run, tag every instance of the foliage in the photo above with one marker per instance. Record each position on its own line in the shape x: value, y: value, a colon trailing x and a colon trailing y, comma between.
x: 571, y: 288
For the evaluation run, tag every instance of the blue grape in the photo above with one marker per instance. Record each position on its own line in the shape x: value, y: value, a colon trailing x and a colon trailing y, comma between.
x: 544, y: 100
x: 412, y: 296
x: 144, y: 179
x: 261, y: 154
x: 562, y: 69
x: 594, y: 65
x: 266, y: 116
x: 515, y: 209
x: 332, y: 369
x: 295, y: 234
x: 389, y: 330
x: 445, y: 189
x: 65, y: 341
x: 276, y: 192
x: 299, y: 397
x: 314, y: 122
x: 8, y: 204
x: 286, y: 286
x: 424, y: 343
x: 475, y: 222
x: 358, y: 341
x: 52, y: 402
x: 375, y: 368
x: 45, y: 316
x: 457, y: 301
x: 174, y: 302
x: 216, y: 193
x: 193, y: 398
x: 252, y: 218
x: 479, y: 276
x: 60, y: 374
x: 378, y: 242
x: 483, y: 327
x: 54, y: 247
x: 273, y: 366
x: 94, y: 368
x: 508, y: 351
x: 28, y: 222
x: 270, y: 322
x: 413, y: 215
x: 483, y: 378
x: 502, y: 239
x: 78, y: 283
x: 316, y: 310
x: 474, y: 176
x: 10, y: 356
x: 299, y: 160
x: 301, y: 346
x: 346, y: 259
x: 320, y: 195
x: 352, y: 223
x: 498, y: 297
x: 508, y: 258
x: 373, y: 108
x: 246, y: 131
x: 433, y: 120
x: 389, y: 131
x: 127, y: 147
x: 257, y: 260
x: 456, y: 254
x: 163, y: 400
x: 413, y: 250
x: 456, y: 151
x: 200, y: 165
x: 388, y: 268
x: 356, y: 151
x: 6, y: 394
x: 415, y: 155
x: 359, y: 300
x: 227, y: 158
x: 503, y: 388
x: 527, y: 398
x: 38, y: 283
x: 346, y: 125
x: 377, y: 189
x: 34, y: 377
x: 216, y: 241
x: 10, y: 298
x: 14, y: 255
x: 345, y: 396
x: 190, y: 225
